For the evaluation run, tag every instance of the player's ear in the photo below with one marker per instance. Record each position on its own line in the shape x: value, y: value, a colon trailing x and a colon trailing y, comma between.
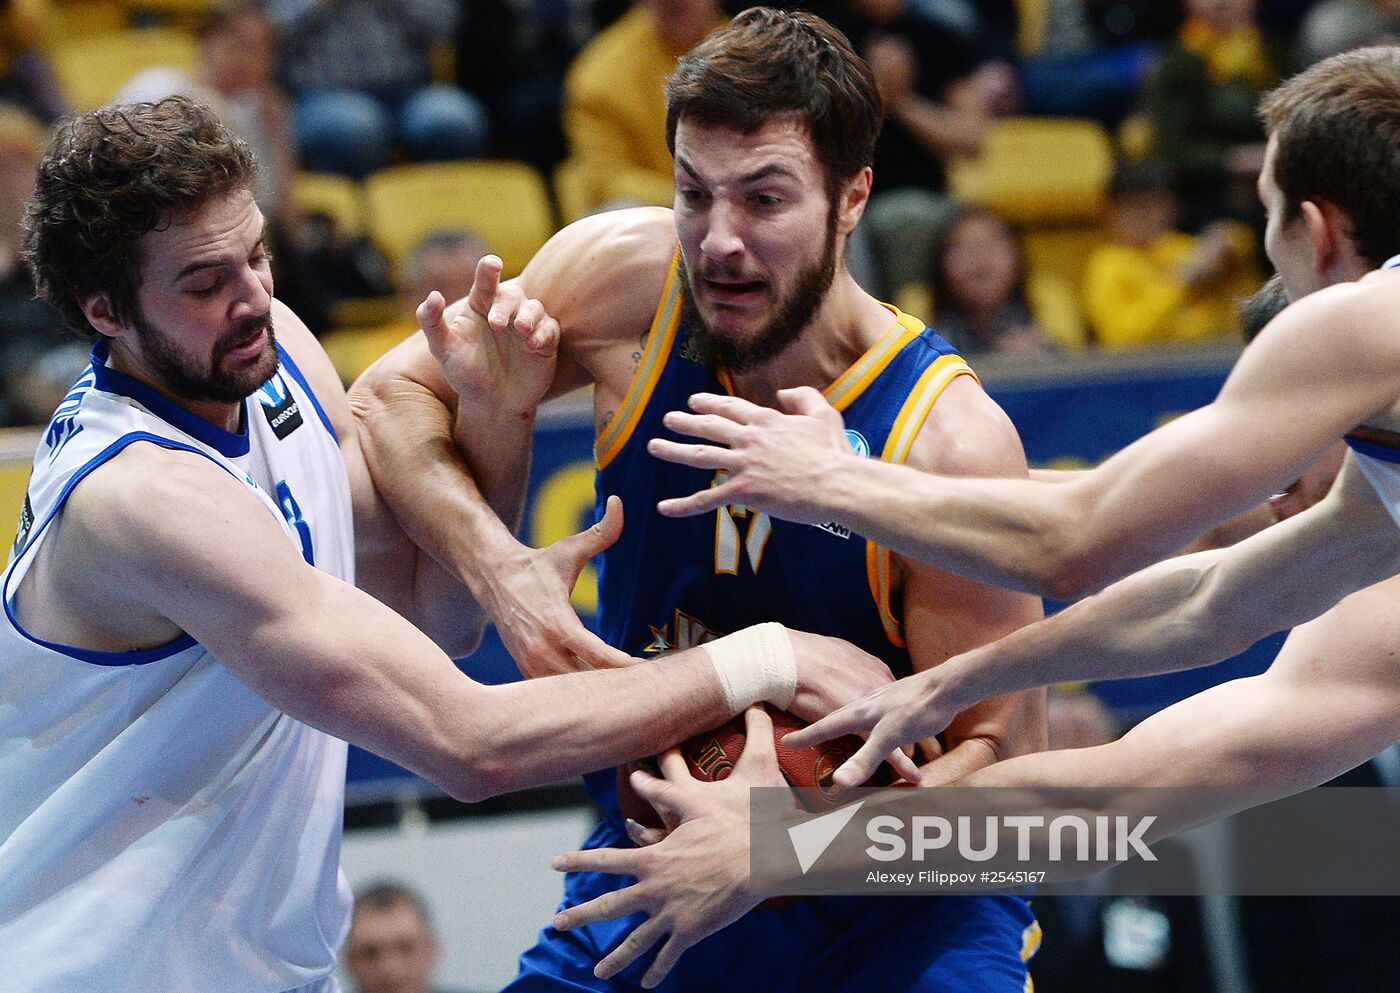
x: 97, y: 308
x: 851, y: 201
x: 1328, y: 231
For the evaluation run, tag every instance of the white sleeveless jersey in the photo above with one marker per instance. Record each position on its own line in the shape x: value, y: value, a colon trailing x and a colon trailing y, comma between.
x: 163, y: 829
x: 1381, y: 467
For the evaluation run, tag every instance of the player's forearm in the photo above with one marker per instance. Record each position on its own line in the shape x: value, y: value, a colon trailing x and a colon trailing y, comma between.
x: 410, y: 444
x: 496, y: 451
x: 989, y: 732
x: 1147, y: 624
x: 1015, y: 533
x: 542, y: 730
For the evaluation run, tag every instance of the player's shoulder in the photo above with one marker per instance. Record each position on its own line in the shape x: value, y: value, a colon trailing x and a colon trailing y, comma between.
x: 1348, y: 316
x: 603, y: 275
x: 132, y: 505
x: 968, y: 434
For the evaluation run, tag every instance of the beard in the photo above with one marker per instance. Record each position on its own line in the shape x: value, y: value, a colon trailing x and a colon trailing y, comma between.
x: 793, y: 313
x: 182, y: 376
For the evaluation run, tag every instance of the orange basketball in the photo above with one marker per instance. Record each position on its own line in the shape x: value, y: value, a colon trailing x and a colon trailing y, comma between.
x: 711, y: 756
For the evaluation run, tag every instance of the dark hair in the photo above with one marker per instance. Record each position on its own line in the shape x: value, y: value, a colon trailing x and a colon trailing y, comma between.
x: 768, y: 64
x: 1262, y: 306
x: 109, y: 177
x: 1145, y: 176
x: 1337, y: 127
x: 944, y: 302
x: 385, y: 894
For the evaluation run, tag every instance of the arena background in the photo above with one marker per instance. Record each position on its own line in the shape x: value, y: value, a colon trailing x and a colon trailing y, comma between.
x: 1101, y: 83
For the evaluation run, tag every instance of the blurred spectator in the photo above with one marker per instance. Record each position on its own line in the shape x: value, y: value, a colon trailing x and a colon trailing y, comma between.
x: 615, y: 102
x: 360, y: 72
x: 1153, y: 284
x: 978, y: 280
x: 318, y: 265
x: 445, y: 261
x: 1079, y: 71
x: 514, y: 54
x: 1202, y: 101
x: 391, y: 947
x: 26, y: 79
x: 238, y: 49
x: 38, y: 360
x: 1334, y: 26
x: 943, y: 79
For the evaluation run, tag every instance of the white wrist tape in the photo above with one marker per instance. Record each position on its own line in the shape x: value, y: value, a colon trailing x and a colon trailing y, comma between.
x: 755, y: 665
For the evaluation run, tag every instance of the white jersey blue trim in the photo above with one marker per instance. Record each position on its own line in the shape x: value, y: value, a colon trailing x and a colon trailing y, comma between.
x: 163, y: 827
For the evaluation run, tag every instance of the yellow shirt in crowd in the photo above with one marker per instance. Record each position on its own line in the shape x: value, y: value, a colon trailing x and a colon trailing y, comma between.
x: 1134, y: 296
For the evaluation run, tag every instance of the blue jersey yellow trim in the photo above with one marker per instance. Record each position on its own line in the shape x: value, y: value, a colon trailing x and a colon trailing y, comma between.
x: 907, y: 425
x: 660, y: 341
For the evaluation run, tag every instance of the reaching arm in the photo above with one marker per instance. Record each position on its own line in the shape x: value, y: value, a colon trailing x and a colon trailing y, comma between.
x: 1335, y: 677
x: 1185, y: 612
x: 198, y: 553
x: 1322, y: 367
x: 440, y: 429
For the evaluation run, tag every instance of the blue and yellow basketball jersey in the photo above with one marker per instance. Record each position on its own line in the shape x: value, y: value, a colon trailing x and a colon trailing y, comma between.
x: 675, y: 583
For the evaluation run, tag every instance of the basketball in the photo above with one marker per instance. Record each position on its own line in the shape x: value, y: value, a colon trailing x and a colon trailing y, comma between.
x: 710, y: 756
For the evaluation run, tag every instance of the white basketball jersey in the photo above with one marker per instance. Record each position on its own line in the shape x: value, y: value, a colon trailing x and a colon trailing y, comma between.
x: 1381, y: 467
x: 163, y: 829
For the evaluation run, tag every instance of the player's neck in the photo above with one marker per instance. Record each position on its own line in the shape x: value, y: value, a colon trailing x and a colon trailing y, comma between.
x: 846, y: 324
x: 228, y: 416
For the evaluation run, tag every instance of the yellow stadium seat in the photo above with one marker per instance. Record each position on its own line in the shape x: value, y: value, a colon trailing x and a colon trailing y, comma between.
x: 1032, y: 17
x: 16, y: 460
x: 91, y: 69
x: 1055, y: 260
x: 369, y: 312
x: 337, y: 196
x: 1036, y: 170
x: 69, y: 19
x: 504, y: 203
x: 355, y: 350
x: 571, y: 191
x: 186, y: 13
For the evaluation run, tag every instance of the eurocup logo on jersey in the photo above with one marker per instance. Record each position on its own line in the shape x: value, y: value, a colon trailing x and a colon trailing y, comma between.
x: 279, y: 406
x: 862, y: 448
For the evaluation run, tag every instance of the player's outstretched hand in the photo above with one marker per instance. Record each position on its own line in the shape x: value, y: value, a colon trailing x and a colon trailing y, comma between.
x: 696, y: 880
x: 499, y: 352
x: 833, y: 674
x: 528, y: 600
x: 895, y: 715
x: 776, y: 461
